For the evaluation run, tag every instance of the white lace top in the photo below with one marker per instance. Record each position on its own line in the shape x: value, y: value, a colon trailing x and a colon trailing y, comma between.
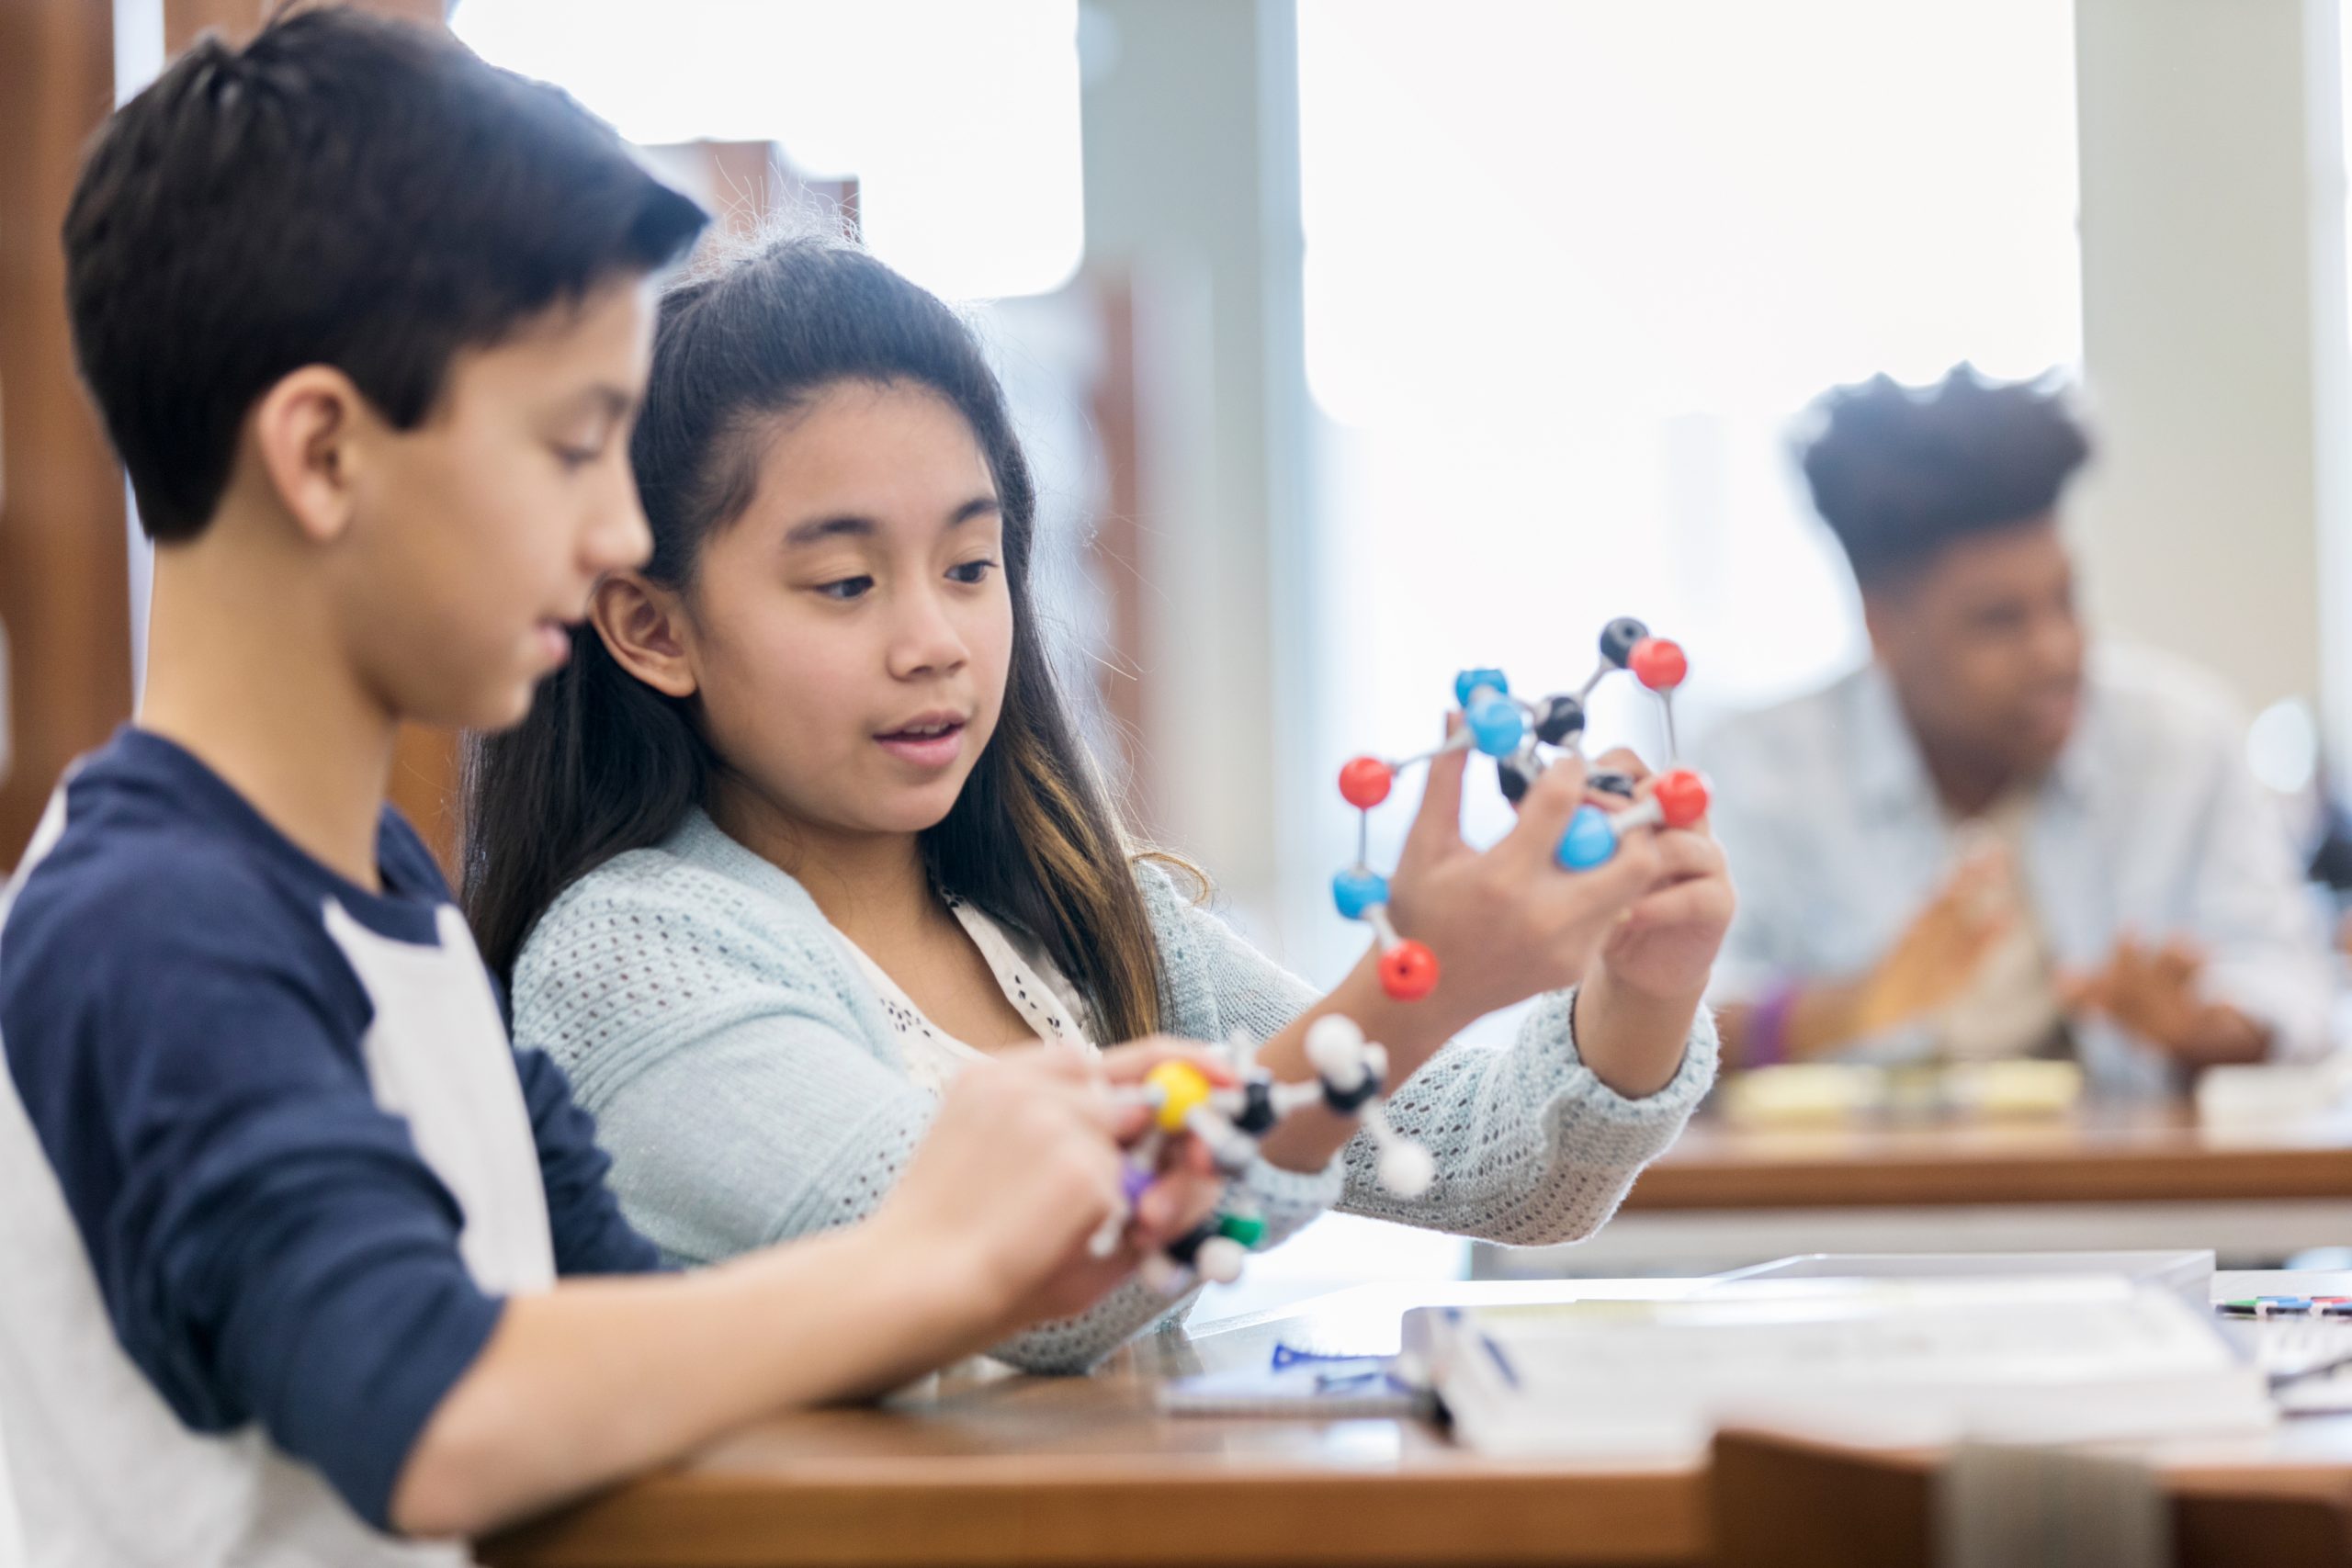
x: 1037, y: 990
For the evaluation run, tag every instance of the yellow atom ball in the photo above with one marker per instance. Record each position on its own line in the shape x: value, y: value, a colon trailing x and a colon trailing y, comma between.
x: 1181, y: 1086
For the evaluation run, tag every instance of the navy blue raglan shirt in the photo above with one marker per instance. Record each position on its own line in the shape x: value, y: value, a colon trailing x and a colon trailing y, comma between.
x: 187, y: 1014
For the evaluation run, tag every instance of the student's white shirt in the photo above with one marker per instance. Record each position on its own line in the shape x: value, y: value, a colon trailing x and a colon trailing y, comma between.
x: 2150, y: 823
x: 105, y: 1473
x: 12, y: 1539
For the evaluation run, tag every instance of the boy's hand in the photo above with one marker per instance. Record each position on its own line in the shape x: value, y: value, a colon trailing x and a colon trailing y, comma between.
x: 1019, y: 1168
x: 1022, y: 1167
x: 1188, y: 1190
x: 1663, y: 946
x: 2151, y: 991
x: 1508, y: 923
x: 1936, y: 957
x: 2153, y: 994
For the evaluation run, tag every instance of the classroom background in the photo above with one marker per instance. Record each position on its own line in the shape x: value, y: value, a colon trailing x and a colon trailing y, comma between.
x: 1358, y: 341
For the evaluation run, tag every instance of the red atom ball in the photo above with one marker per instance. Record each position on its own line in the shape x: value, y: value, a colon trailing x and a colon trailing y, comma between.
x: 1364, y: 782
x: 1659, y: 664
x: 1682, y: 798
x: 1409, y: 971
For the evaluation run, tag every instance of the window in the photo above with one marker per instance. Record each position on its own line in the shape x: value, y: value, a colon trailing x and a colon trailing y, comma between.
x: 959, y: 121
x: 1571, y: 271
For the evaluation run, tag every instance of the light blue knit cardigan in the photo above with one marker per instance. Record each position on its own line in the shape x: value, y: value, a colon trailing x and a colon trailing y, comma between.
x: 749, y: 1085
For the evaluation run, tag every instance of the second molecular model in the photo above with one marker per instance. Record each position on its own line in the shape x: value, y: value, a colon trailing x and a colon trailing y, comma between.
x: 1350, y: 1073
x: 1516, y: 732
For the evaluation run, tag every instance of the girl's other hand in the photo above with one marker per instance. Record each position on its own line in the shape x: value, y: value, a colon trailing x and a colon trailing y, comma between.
x: 1508, y: 923
x: 1664, y: 945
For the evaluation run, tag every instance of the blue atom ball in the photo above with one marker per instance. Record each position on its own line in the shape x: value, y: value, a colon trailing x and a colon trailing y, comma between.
x: 1356, y: 891
x: 1589, y: 840
x: 1498, y: 725
x: 1470, y: 681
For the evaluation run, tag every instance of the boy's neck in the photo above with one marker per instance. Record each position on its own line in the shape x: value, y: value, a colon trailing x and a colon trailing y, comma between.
x: 870, y: 886
x: 244, y: 670
x: 1965, y: 781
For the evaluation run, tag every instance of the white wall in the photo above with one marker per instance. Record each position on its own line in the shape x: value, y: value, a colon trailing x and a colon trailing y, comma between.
x: 1190, y: 147
x: 2209, y: 308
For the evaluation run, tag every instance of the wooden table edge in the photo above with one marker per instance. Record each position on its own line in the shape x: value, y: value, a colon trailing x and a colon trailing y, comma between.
x: 997, y: 1509
x: 2079, y: 1175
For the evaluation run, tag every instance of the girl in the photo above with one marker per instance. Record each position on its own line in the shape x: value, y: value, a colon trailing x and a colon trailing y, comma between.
x: 803, y: 831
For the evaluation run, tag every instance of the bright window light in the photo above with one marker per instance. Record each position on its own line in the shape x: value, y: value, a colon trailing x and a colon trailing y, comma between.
x: 959, y: 117
x: 1571, y: 270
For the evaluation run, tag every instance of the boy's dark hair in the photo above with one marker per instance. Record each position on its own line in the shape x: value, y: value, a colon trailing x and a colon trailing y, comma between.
x: 1899, y: 474
x: 344, y: 191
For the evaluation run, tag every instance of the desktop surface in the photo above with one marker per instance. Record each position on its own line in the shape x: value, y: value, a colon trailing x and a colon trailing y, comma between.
x: 986, y: 1466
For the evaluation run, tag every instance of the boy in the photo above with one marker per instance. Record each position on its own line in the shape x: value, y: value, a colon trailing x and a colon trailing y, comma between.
x: 366, y: 321
x: 2000, y: 838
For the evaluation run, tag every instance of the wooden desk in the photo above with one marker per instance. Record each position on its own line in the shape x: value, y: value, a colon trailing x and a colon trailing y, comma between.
x: 1008, y: 1470
x: 2144, y: 1155
x: 2141, y: 1178
x: 1020, y: 1471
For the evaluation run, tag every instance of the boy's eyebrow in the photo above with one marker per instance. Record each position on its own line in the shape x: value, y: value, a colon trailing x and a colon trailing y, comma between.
x: 608, y: 401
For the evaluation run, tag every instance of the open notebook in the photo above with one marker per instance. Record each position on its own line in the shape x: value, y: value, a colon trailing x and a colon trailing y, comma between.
x: 1895, y: 1362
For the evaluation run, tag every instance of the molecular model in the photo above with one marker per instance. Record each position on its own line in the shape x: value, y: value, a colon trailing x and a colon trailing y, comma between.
x: 1232, y: 1122
x: 1514, y: 732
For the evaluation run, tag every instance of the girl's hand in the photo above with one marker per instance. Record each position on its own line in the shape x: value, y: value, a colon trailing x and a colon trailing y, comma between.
x: 1509, y: 923
x: 1663, y: 946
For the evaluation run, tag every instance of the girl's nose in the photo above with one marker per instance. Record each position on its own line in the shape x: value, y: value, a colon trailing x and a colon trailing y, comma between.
x: 926, y: 641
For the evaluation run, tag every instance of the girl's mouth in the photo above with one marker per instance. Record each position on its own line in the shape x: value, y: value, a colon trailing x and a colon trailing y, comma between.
x: 928, y: 743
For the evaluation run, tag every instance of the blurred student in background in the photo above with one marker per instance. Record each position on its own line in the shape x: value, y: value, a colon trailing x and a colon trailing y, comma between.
x: 2000, y: 838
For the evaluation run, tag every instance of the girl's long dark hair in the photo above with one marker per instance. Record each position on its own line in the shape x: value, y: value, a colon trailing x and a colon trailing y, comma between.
x: 604, y: 763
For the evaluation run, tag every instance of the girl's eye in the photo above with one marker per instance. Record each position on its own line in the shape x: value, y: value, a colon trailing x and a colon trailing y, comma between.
x: 972, y: 571
x: 574, y: 459
x: 846, y: 589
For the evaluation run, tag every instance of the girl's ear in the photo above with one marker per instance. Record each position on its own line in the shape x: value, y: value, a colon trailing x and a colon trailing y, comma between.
x: 641, y: 624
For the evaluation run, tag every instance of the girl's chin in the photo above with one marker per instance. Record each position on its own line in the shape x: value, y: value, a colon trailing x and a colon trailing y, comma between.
x: 904, y: 810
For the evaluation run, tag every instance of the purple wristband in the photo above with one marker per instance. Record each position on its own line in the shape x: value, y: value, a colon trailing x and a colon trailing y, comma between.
x: 1768, y: 1026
